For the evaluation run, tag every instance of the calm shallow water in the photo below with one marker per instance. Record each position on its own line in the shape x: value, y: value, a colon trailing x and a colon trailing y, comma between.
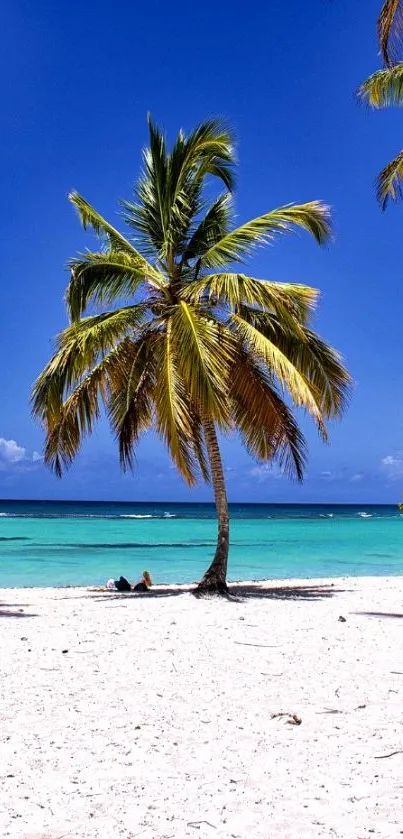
x: 78, y: 543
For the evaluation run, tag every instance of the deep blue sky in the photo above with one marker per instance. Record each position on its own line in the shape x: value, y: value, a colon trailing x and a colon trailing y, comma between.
x: 77, y: 81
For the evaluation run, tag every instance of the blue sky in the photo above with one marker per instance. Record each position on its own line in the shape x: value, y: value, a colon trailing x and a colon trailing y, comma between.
x: 78, y: 80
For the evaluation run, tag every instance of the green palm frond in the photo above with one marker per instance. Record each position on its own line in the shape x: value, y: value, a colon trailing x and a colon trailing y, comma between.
x: 318, y: 362
x: 301, y: 391
x: 100, y: 278
x: 383, y: 88
x: 390, y: 181
x: 240, y: 243
x: 291, y: 301
x: 213, y: 226
x: 90, y: 218
x: 168, y: 194
x: 174, y: 419
x: 132, y: 391
x: 390, y: 29
x: 267, y: 426
x: 78, y: 348
x: 75, y: 419
x: 204, y: 350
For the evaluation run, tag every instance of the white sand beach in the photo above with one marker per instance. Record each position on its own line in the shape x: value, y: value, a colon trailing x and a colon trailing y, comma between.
x: 126, y: 716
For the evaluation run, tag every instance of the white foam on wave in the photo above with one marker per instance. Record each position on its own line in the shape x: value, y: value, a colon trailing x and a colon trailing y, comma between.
x: 169, y: 516
x: 365, y: 515
x: 4, y: 515
x: 137, y: 516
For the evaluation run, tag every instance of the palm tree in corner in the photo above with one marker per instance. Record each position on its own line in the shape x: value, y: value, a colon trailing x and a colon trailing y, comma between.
x: 191, y: 346
x: 384, y: 89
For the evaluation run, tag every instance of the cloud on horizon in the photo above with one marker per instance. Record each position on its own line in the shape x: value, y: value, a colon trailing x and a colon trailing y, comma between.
x: 13, y: 456
x: 392, y: 465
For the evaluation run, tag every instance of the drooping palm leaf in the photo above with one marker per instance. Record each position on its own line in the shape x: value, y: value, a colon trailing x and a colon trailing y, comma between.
x: 241, y: 242
x: 390, y: 181
x: 101, y: 278
x: 390, y: 29
x: 318, y: 362
x: 173, y: 410
x: 288, y: 300
x: 383, y: 88
x: 303, y: 393
x: 267, y: 426
x: 203, y: 349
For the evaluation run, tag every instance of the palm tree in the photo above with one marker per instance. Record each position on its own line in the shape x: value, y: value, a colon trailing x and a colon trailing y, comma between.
x: 198, y: 348
x: 390, y: 29
x: 385, y: 88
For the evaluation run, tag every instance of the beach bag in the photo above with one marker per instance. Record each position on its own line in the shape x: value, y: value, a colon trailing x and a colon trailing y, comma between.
x: 122, y: 584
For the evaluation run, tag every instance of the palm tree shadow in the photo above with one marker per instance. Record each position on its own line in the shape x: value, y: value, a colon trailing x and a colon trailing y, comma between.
x: 256, y: 591
x: 380, y: 614
x: 236, y: 592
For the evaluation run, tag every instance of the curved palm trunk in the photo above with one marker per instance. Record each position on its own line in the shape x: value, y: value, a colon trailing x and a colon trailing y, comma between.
x: 215, y: 578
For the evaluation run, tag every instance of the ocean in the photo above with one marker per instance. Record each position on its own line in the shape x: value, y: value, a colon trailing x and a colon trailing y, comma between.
x: 46, y: 543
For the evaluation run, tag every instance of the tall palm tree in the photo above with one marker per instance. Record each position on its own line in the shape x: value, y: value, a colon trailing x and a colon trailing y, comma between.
x: 385, y: 88
x: 198, y: 348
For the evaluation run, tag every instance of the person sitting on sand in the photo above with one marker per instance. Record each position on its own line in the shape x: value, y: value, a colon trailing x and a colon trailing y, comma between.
x: 123, y: 585
x: 145, y: 583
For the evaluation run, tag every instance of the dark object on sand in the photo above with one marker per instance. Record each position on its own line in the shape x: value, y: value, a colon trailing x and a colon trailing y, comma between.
x: 122, y: 584
x: 140, y: 587
x: 341, y: 619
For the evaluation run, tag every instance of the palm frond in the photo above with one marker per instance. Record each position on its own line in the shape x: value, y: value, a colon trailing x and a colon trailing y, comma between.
x: 390, y: 29
x: 383, y: 88
x: 302, y: 393
x: 390, y: 181
x: 101, y: 278
x: 168, y: 194
x: 267, y: 426
x: 204, y: 349
x: 174, y: 419
x: 78, y: 348
x: 240, y: 243
x: 213, y: 226
x: 89, y: 217
x: 75, y: 419
x: 318, y: 362
x: 131, y: 402
x: 288, y: 300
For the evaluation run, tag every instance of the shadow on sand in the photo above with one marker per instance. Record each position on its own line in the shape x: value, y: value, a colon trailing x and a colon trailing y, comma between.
x: 380, y: 614
x: 237, y: 592
x: 15, y: 610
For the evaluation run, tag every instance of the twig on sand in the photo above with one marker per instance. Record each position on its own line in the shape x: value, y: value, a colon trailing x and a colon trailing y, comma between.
x: 330, y: 711
x: 397, y: 672
x: 202, y: 821
x: 380, y: 757
x: 246, y: 644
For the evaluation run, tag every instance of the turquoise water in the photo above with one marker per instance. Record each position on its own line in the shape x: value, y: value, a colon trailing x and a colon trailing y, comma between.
x: 75, y: 543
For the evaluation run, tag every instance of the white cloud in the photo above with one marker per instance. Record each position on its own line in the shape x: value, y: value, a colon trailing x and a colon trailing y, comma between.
x: 359, y: 476
x: 11, y: 452
x: 393, y: 465
x: 265, y: 472
x: 14, y: 457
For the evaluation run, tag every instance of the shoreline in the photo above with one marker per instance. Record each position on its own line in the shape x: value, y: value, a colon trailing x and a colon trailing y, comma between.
x: 125, y: 714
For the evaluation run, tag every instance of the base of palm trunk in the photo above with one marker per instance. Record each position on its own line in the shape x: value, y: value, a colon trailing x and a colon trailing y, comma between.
x: 212, y: 584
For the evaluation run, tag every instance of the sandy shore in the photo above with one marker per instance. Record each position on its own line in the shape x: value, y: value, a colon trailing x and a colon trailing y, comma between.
x: 128, y: 716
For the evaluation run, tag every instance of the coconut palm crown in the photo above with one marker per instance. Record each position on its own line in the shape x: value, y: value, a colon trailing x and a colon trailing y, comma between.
x: 185, y: 343
x: 384, y: 89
